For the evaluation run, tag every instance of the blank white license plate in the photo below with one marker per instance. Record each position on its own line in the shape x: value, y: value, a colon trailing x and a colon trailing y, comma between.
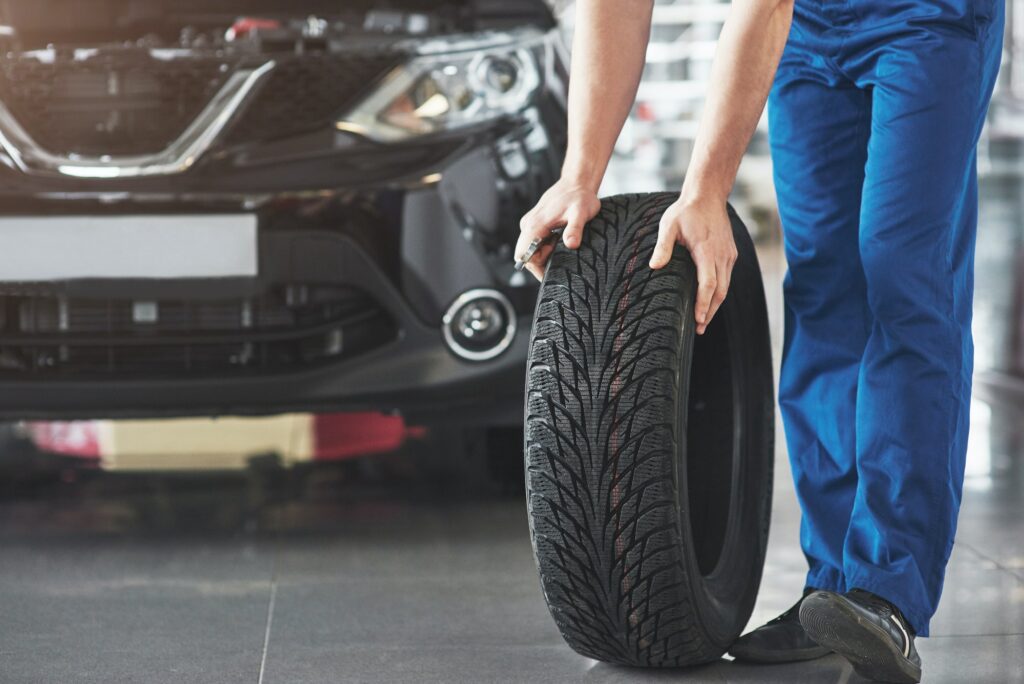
x: 178, y: 246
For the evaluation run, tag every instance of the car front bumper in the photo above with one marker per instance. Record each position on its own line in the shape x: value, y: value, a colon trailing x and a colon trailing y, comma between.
x: 410, y: 240
x: 415, y: 376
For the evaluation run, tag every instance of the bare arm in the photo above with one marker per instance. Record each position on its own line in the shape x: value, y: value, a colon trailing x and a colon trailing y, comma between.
x: 748, y: 53
x: 609, y: 53
x: 602, y: 88
x: 609, y: 50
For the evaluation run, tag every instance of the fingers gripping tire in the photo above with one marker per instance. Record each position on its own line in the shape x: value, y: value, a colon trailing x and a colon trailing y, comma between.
x: 649, y: 450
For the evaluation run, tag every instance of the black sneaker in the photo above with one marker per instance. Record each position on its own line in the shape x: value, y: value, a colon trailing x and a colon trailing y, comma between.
x: 867, y: 630
x: 782, y: 640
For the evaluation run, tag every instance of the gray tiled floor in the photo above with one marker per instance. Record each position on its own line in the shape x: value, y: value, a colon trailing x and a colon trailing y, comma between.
x: 115, y: 580
x: 395, y: 587
x: 99, y: 609
x: 150, y: 580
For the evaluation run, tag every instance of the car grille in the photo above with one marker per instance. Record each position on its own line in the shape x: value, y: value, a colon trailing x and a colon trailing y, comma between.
x: 292, y: 327
x: 108, y: 104
x: 134, y: 104
x: 308, y: 93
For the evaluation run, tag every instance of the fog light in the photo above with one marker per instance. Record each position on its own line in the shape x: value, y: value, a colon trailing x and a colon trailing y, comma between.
x: 479, y: 325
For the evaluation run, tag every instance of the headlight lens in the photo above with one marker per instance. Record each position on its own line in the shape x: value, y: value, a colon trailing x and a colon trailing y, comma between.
x: 443, y: 91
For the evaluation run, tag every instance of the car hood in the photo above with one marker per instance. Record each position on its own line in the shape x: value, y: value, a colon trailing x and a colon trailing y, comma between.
x: 46, y: 22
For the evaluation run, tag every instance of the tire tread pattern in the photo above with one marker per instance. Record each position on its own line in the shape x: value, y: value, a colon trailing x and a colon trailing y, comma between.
x: 600, y: 442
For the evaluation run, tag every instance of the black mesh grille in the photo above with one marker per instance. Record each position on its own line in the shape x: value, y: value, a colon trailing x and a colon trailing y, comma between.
x: 108, y: 104
x: 124, y: 104
x: 307, y: 93
x: 45, y: 335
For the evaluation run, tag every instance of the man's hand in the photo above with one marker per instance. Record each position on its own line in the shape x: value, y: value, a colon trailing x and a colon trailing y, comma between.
x: 702, y: 227
x: 602, y: 87
x: 566, y: 204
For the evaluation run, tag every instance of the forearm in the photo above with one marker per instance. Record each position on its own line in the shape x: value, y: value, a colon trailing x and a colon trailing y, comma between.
x: 744, y: 67
x: 609, y: 49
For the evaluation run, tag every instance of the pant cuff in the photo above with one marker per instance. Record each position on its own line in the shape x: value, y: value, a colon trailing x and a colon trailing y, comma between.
x: 825, y: 578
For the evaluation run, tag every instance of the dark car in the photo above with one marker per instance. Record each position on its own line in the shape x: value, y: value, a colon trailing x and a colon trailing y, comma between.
x: 255, y: 206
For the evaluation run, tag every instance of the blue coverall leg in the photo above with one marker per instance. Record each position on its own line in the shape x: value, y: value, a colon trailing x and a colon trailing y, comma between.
x: 874, y: 120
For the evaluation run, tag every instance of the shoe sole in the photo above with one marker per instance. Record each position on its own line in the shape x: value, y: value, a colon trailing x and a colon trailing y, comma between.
x: 834, y: 624
x: 778, y: 657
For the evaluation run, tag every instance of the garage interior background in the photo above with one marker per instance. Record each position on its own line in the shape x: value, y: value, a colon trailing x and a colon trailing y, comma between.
x: 213, y: 551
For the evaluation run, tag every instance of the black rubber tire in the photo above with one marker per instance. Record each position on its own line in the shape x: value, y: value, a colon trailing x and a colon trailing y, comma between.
x: 649, y: 449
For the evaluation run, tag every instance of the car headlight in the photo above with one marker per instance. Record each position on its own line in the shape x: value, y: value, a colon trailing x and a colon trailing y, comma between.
x: 443, y: 91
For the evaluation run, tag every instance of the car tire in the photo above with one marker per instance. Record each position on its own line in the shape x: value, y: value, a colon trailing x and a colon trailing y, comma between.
x: 649, y: 449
